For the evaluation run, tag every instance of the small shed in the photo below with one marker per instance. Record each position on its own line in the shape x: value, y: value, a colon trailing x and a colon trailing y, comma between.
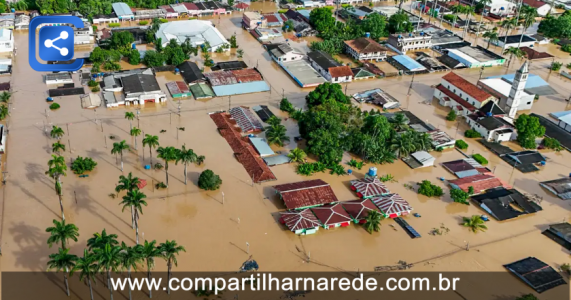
x: 535, y: 273
x: 369, y: 187
x: 425, y: 159
x: 392, y: 205
x: 332, y: 215
x: 178, y: 89
x: 201, y: 91
x: 560, y: 233
x: 359, y: 209
x: 262, y: 147
x: 277, y: 160
x: 300, y: 221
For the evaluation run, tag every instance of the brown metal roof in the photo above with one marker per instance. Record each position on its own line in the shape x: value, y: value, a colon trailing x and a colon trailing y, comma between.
x: 306, y: 193
x: 358, y: 209
x: 467, y: 87
x: 341, y: 71
x: 365, y: 45
x: 331, y: 214
x: 300, y: 219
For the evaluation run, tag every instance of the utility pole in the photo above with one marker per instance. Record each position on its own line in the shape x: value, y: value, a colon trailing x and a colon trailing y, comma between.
x: 138, y: 112
x: 481, y: 71
x: 247, y: 247
x: 410, y: 87
x: 551, y: 66
x: 67, y: 125
x: 229, y: 102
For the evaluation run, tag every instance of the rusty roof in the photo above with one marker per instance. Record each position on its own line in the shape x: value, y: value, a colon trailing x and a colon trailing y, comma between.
x: 331, y: 214
x: 533, y: 54
x: 306, y: 193
x: 246, y: 119
x: 300, y: 219
x: 247, y: 75
x: 480, y: 182
x: 340, y: 71
x: 358, y: 209
x: 233, y: 77
x: 467, y: 87
x: 365, y: 45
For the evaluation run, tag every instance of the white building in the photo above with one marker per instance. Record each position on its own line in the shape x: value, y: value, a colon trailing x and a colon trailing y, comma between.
x: 502, y: 8
x: 22, y: 21
x: 6, y: 40
x: 329, y: 68
x: 410, y: 41
x: 83, y: 35
x: 513, y: 41
x: 365, y: 49
x: 103, y: 19
x: 131, y: 87
x: 543, y: 8
x: 197, y: 31
x: 460, y: 95
x: 492, y: 128
x: 283, y: 52
x: 476, y: 57
x: 58, y: 78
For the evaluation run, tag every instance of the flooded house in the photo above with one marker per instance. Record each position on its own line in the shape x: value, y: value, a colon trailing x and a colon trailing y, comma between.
x: 461, y: 95
x: 369, y: 187
x: 332, y: 215
x: 392, y: 205
x: 330, y: 69
x: 301, y: 222
x: 504, y: 204
x: 359, y: 209
x: 560, y: 233
x: 365, y: 49
x: 123, y: 11
x: 560, y: 187
x: 306, y: 194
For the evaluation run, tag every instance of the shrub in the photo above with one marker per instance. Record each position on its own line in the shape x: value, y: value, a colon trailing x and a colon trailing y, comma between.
x: 566, y: 268
x: 451, y: 116
x: 94, y: 28
x: 552, y: 143
x: 556, y: 66
x: 163, y: 20
x: 355, y: 164
x: 296, y: 115
x: 54, y: 106
x: 337, y: 170
x: 113, y: 25
x: 566, y: 48
x: 144, y: 22
x: 449, y: 18
x: 160, y: 185
x: 460, y: 144
x: 83, y: 164
x: 459, y: 196
x: 92, y: 83
x: 527, y: 297
x: 480, y: 159
x: 286, y: 106
x: 305, y: 169
x: 388, y: 177
x: 95, y: 89
x: 471, y: 133
x: 158, y: 166
x: 568, y: 67
x: 430, y: 190
x: 282, y: 11
x: 471, y: 190
x: 209, y: 181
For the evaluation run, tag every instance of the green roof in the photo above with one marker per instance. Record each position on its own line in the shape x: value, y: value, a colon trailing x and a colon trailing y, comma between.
x: 201, y: 90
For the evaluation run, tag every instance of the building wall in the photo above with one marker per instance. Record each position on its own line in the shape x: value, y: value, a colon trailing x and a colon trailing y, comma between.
x: 105, y: 20
x: 500, y: 43
x: 381, y: 55
x: 501, y: 137
x: 341, y: 79
x: 479, y: 128
x: 463, y: 95
x: 412, y: 43
x: 291, y: 56
x: 450, y: 103
x: 321, y: 71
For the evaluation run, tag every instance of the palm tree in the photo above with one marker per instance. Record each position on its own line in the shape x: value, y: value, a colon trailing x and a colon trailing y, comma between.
x: 87, y: 269
x: 149, y: 253
x: 5, y: 97
x: 56, y: 132
x: 57, y: 147
x: 200, y: 159
x: 492, y: 36
x: 529, y: 14
x: 118, y: 148
x: 456, y: 10
x: 276, y: 135
x: 4, y: 112
x: 508, y: 24
x: 403, y: 144
x: 422, y: 141
x: 169, y: 251
x: 135, y: 132
x: 373, y: 221
x: 134, y: 199
x: 128, y: 183
x: 62, y: 232
x: 297, y: 155
x: 56, y: 169
x: 167, y: 154
x: 130, y: 116
x: 399, y: 121
x: 99, y: 240
x: 474, y: 223
x: 513, y: 51
x: 130, y: 258
x: 108, y: 259
x: 153, y: 142
x: 484, y: 3
x: 186, y: 156
x: 274, y: 121
x: 62, y: 261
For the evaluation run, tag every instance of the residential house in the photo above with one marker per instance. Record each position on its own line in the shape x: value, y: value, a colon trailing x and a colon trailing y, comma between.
x: 560, y: 233
x: 461, y: 95
x: 560, y: 187
x: 83, y: 35
x: 142, y: 88
x: 515, y: 41
x: 192, y: 9
x: 123, y: 11
x: 542, y: 8
x: 252, y: 19
x: 275, y: 19
x: 305, y: 194
x: 492, y: 128
x: 500, y: 202
x: 241, y: 6
x: 169, y: 11
x: 7, y: 20
x: 190, y: 72
x: 301, y: 222
x: 6, y: 40
x: 332, y: 215
x: 329, y: 68
x: 365, y: 49
x: 441, y: 140
x: 149, y: 14
x: 283, y: 52
x: 264, y: 35
x: 411, y: 41
x: 22, y: 21
x: 501, y: 8
x: 103, y: 19
x: 480, y: 183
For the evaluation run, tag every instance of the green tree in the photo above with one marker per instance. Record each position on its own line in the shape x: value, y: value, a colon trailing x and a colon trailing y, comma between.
x: 297, y: 155
x: 118, y: 148
x: 399, y: 23
x: 451, y: 116
x: 492, y: 36
x: 207, y: 59
x: 153, y: 59
x: 233, y: 42
x: 135, y: 132
x: 556, y: 27
x: 153, y: 142
x: 169, y: 251
x: 399, y: 122
x: 240, y: 53
x: 373, y: 221
x: 508, y: 24
x: 274, y: 121
x: 5, y: 97
x: 56, y: 132
x: 528, y: 129
x: 122, y: 40
x: 58, y: 147
x: 474, y: 223
x: 403, y: 144
x: 483, y: 4
x: 135, y: 200
x: 134, y: 57
x: 87, y: 269
x: 287, y: 27
x: 99, y: 240
x: 277, y: 135
x: 167, y: 154
x: 56, y: 169
x: 109, y: 259
x: 130, y: 259
x: 551, y: 143
x: 529, y: 15
x: 286, y: 106
x: 130, y: 116
x: 186, y: 156
x: 149, y: 253
x: 209, y: 181
x: 430, y: 190
x: 459, y: 196
x: 61, y: 233
x: 375, y: 24
x: 326, y: 91
x: 174, y: 54
x: 512, y: 51
x: 62, y: 261
x: 4, y: 112
x: 321, y: 19
x: 128, y: 183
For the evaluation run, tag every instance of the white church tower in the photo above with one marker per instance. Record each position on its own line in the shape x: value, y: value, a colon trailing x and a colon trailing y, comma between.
x: 516, y: 92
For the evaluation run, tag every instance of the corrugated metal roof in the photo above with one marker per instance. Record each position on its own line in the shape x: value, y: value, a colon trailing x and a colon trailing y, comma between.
x: 298, y: 220
x: 392, y: 204
x: 408, y: 63
x: 201, y: 90
x: 331, y: 214
x: 245, y: 119
x: 122, y: 9
x: 277, y: 160
x: 306, y: 193
x: 241, y: 88
x: 262, y: 146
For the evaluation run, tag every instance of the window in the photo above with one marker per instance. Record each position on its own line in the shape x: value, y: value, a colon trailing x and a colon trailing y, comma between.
x: 528, y: 103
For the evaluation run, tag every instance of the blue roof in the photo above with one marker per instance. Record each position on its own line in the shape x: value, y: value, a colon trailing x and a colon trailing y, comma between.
x: 241, y: 88
x: 121, y: 9
x: 532, y: 80
x: 262, y: 146
x: 304, y: 12
x: 560, y: 114
x: 408, y: 63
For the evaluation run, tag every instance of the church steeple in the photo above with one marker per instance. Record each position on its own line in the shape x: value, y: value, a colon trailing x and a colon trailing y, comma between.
x: 516, y: 92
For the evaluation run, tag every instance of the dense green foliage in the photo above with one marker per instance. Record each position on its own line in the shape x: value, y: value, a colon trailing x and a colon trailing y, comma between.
x: 373, y: 219
x: 450, y: 18
x: 324, y: 92
x: 209, y: 181
x: 459, y: 196
x: 471, y: 133
x: 552, y: 143
x: 153, y: 59
x: 297, y: 155
x: 310, y: 168
x: 528, y: 129
x: 92, y: 83
x: 54, y: 106
x: 83, y: 164
x: 527, y: 297
x: 288, y: 26
x: 556, y: 66
x: 451, y: 116
x: 356, y: 164
x: 286, y: 106
x: 122, y: 41
x: 96, y: 89
x: 556, y: 27
x: 430, y: 190
x: 399, y: 23
x: 134, y: 57
x: 480, y: 159
x: 143, y: 23
x: 460, y: 144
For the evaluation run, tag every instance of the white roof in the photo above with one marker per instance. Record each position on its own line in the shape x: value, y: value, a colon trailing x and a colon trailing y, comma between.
x: 463, y: 56
x: 500, y: 86
x: 122, y: 9
x: 566, y: 119
x: 424, y: 158
x: 197, y: 31
x: 252, y: 15
x: 5, y: 34
x: 179, y: 8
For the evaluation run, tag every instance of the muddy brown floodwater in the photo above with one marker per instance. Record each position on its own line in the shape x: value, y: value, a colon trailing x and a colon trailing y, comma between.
x: 215, y: 234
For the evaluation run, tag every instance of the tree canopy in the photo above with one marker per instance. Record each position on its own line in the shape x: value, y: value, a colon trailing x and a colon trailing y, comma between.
x: 556, y: 27
x: 209, y: 181
x: 153, y: 59
x: 399, y: 23
x: 528, y: 129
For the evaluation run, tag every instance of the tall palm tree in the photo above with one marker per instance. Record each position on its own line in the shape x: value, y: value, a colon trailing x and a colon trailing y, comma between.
x: 276, y: 135
x: 128, y: 183
x: 508, y: 24
x: 422, y: 141
x: 274, y: 121
x: 135, y: 132
x: 130, y: 258
x: 56, y: 132
x: 149, y: 253
x: 108, y: 259
x: 373, y: 221
x: 62, y: 261
x: 57, y: 169
x: 167, y: 154
x: 474, y: 223
x: 484, y: 3
x: 399, y: 121
x: 62, y: 232
x: 403, y: 144
x: 186, y: 156
x: 130, y: 116
x: 512, y: 51
x: 118, y: 148
x: 87, y: 269
x: 297, y: 155
x: 99, y: 240
x: 529, y: 14
x: 169, y: 251
x: 134, y: 199
x: 58, y: 147
x: 153, y: 142
x: 492, y: 36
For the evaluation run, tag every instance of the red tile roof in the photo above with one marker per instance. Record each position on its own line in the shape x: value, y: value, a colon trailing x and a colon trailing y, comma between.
x: 358, y: 209
x: 190, y: 6
x: 467, y: 87
x: 300, y: 219
x: 480, y: 182
x: 369, y: 187
x: 168, y: 8
x: 534, y: 3
x: 242, y: 5
x: 340, y: 71
x: 365, y: 45
x: 306, y: 193
x: 456, y: 98
x: 533, y: 54
x: 331, y: 214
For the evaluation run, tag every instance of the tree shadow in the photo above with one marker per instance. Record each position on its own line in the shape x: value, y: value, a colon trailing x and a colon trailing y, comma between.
x: 36, y: 173
x: 32, y: 196
x: 31, y: 256
x: 97, y: 154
